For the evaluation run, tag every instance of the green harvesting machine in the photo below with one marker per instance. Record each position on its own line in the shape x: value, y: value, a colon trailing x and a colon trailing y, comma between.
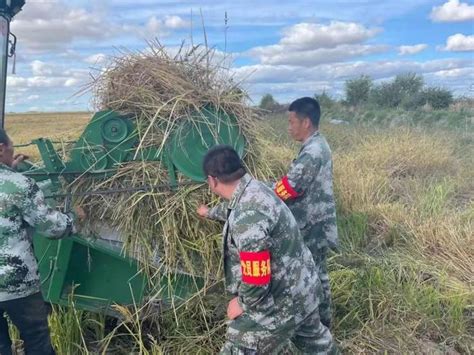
x: 94, y: 273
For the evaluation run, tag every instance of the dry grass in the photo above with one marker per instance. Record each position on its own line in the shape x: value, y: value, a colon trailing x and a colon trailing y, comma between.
x: 403, y: 282
x: 23, y: 127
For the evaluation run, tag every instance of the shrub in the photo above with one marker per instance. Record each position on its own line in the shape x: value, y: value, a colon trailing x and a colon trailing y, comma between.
x: 358, y: 90
x: 325, y: 101
x: 438, y: 98
x: 268, y: 103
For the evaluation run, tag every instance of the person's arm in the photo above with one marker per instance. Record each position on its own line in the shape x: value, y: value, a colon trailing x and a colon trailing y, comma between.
x: 38, y: 214
x: 253, y: 237
x: 301, y: 173
x: 20, y: 163
x: 219, y: 212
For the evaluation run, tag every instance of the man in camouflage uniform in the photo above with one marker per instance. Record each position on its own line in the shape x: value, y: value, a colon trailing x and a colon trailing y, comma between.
x: 22, y: 209
x: 307, y: 190
x: 267, y: 267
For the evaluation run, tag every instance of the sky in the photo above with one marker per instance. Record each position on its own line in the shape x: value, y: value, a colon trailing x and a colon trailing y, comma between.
x: 286, y: 48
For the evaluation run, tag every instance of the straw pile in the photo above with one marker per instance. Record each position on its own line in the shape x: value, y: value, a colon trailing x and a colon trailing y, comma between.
x: 159, y: 91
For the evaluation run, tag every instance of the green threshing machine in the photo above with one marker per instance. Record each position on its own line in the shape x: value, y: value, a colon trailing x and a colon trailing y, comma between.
x: 93, y: 272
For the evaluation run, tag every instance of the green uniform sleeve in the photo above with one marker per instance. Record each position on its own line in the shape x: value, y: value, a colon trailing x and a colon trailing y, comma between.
x: 251, y: 231
x: 302, y: 172
x: 38, y: 214
x: 219, y: 212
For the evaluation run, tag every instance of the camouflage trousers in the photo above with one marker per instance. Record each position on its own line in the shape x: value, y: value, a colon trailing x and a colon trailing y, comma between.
x: 316, y: 240
x: 30, y: 316
x: 309, y: 337
x: 325, y: 304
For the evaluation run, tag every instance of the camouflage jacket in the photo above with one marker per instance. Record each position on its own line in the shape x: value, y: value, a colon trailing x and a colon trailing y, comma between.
x: 266, y: 262
x: 307, y: 189
x: 22, y: 210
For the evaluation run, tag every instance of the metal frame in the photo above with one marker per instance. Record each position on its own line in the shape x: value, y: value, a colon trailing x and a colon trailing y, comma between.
x: 8, y: 9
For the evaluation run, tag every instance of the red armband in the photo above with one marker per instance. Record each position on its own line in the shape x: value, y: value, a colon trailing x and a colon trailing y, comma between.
x: 284, y: 190
x: 255, y: 267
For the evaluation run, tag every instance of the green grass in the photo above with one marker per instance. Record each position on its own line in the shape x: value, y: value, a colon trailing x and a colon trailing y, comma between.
x: 459, y: 119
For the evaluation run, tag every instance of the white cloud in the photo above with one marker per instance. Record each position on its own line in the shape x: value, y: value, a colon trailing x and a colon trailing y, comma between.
x: 71, y: 82
x: 311, y: 35
x: 45, y: 75
x: 49, y: 26
x: 156, y: 26
x: 153, y: 25
x: 33, y: 97
x: 39, y: 68
x: 260, y: 73
x: 95, y: 59
x: 281, y: 55
x: 409, y: 50
x: 456, y: 73
x: 308, y: 44
x: 459, y: 43
x: 16, y: 82
x: 453, y: 11
x: 44, y: 82
x: 176, y: 22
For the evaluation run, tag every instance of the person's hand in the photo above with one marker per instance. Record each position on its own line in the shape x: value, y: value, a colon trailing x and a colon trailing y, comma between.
x: 233, y: 309
x: 203, y: 211
x: 80, y: 213
x: 19, y: 158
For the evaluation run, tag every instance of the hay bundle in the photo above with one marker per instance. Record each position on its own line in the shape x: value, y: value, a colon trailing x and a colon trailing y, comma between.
x: 160, y: 91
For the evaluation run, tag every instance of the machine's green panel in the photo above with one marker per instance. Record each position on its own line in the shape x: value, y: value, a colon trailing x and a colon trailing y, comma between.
x: 96, y: 275
x: 103, y: 272
x: 193, y: 138
x: 107, y: 140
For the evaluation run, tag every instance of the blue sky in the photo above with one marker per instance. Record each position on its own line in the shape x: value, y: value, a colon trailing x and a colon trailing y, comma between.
x: 286, y: 48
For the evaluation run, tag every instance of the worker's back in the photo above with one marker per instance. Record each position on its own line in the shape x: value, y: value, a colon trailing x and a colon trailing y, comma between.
x: 22, y: 208
x: 315, y: 209
x: 294, y: 284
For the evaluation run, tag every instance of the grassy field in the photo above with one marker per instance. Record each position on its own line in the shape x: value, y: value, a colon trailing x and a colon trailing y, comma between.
x: 459, y: 116
x: 403, y: 281
x: 22, y: 128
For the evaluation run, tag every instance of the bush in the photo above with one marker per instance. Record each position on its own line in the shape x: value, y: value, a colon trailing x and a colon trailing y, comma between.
x: 414, y: 102
x: 325, y: 101
x: 385, y: 95
x: 404, y: 91
x: 358, y: 90
x: 268, y: 103
x: 438, y: 98
x: 408, y: 84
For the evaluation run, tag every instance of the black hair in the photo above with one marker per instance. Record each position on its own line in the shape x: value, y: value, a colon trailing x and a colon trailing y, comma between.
x: 4, y: 139
x: 306, y: 107
x: 223, y: 163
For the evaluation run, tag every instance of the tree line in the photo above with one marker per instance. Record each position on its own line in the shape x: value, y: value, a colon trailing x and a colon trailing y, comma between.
x: 407, y: 91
